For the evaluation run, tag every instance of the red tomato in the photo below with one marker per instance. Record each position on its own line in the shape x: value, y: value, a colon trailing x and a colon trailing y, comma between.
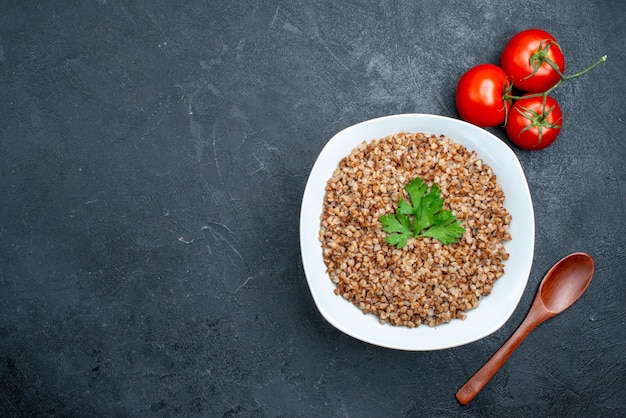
x: 480, y: 95
x: 530, y: 58
x: 531, y: 125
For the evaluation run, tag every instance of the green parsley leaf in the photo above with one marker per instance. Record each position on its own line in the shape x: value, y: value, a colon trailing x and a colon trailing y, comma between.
x: 398, y: 229
x: 405, y: 207
x: 447, y: 234
x: 423, y: 217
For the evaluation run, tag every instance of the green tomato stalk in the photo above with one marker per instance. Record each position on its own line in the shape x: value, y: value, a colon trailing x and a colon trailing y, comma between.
x: 536, y: 60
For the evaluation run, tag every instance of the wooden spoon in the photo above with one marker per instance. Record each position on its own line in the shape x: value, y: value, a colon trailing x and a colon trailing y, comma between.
x: 566, y: 281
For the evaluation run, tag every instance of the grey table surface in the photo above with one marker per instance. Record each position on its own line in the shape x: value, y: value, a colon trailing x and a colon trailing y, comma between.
x: 153, y: 157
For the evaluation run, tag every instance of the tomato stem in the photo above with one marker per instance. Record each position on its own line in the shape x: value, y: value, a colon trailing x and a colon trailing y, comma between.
x: 538, y: 120
x: 508, y: 96
x: 540, y: 57
x: 586, y: 70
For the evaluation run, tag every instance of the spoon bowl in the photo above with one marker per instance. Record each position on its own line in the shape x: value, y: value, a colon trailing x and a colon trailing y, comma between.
x: 564, y: 283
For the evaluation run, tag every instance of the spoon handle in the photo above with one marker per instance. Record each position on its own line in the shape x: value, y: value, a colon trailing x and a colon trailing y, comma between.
x: 490, y: 368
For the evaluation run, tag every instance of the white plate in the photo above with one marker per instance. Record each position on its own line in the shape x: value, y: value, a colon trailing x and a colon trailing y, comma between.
x: 494, y: 310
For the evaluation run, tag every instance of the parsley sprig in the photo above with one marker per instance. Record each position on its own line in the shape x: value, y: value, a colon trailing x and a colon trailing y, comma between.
x: 423, y: 217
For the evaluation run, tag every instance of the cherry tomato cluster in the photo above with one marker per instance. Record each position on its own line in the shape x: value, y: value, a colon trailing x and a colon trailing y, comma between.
x: 533, y: 63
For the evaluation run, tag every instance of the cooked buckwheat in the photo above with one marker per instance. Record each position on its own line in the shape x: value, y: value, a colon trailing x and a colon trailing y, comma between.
x: 426, y: 282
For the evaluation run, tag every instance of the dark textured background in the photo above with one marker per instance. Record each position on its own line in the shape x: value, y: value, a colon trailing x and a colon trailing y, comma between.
x: 153, y: 156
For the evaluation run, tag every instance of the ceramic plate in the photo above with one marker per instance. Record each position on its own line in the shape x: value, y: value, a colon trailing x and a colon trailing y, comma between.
x: 494, y: 309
